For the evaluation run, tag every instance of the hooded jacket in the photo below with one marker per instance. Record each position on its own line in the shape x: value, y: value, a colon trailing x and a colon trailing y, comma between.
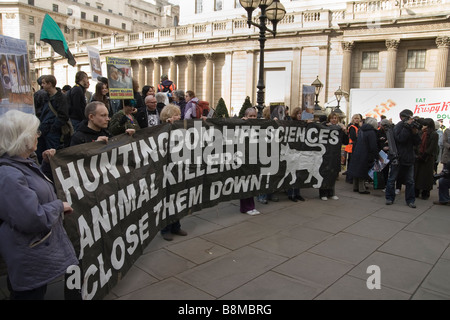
x: 85, y: 134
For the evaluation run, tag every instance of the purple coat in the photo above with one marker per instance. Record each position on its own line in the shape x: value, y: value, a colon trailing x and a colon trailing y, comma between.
x: 33, y: 242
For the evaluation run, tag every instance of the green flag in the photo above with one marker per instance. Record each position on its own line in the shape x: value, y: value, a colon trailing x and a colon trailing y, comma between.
x: 51, y: 34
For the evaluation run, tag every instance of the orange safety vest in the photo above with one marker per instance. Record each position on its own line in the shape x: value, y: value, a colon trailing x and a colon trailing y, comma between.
x: 349, y: 147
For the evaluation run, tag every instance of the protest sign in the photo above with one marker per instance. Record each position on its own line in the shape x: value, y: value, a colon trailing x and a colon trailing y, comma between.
x: 15, y: 84
x: 119, y: 78
x: 124, y: 192
x: 94, y: 61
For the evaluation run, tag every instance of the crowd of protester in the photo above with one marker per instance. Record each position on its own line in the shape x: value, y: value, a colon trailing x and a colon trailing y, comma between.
x: 414, y: 147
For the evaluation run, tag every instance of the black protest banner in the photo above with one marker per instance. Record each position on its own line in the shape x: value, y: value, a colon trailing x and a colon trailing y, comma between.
x: 125, y: 191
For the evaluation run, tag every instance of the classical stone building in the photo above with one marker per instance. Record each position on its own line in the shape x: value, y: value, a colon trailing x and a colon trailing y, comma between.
x: 352, y: 44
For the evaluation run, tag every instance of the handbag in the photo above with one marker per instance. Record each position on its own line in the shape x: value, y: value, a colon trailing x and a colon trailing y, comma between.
x: 66, y: 128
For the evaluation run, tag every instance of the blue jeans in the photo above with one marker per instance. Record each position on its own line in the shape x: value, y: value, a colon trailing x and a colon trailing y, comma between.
x: 408, y: 179
x: 444, y: 186
x: 293, y: 192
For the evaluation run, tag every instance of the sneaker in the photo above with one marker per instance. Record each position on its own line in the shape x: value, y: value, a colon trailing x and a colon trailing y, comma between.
x: 412, y: 205
x: 253, y: 212
x: 167, y: 236
x: 300, y: 198
x: 335, y: 197
x: 389, y: 202
x: 180, y: 232
x: 397, y: 191
x: 292, y: 198
x: 324, y: 198
x: 384, y: 190
x: 263, y: 201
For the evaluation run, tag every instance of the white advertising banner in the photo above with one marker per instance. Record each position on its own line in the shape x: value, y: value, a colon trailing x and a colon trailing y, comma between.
x: 425, y: 103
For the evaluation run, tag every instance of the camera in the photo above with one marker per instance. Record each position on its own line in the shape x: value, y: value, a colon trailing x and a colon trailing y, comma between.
x: 417, y: 123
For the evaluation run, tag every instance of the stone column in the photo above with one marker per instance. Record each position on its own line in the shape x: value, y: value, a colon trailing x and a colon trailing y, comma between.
x: 250, y: 89
x: 173, y: 70
x: 156, y: 72
x: 227, y: 84
x: 440, y: 75
x: 141, y: 72
x: 209, y: 94
x: 391, y: 66
x: 347, y: 66
x: 190, y: 81
x: 296, y: 79
x: 149, y: 73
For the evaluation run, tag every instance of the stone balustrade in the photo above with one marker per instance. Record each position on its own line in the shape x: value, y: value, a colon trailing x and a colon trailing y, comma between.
x: 293, y: 21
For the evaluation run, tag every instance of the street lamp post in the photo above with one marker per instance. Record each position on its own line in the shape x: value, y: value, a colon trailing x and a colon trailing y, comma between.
x: 273, y: 11
x: 339, y: 94
x: 318, y: 111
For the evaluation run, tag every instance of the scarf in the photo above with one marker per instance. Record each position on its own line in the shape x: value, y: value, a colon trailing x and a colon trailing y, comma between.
x: 423, y: 145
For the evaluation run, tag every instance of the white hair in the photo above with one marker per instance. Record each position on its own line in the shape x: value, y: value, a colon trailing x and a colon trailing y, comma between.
x: 162, y: 97
x: 17, y: 133
x: 371, y: 122
x: 437, y: 124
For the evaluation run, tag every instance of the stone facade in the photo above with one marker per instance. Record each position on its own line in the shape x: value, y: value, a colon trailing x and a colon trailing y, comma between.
x: 364, y: 44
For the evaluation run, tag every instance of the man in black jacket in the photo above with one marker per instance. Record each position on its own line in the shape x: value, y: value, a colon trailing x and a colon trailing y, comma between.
x: 76, y: 98
x: 54, y: 114
x: 95, y: 127
x: 406, y: 138
x: 148, y: 116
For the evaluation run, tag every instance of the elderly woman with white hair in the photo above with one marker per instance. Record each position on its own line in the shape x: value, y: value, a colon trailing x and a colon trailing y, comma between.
x: 33, y: 242
x: 365, y: 153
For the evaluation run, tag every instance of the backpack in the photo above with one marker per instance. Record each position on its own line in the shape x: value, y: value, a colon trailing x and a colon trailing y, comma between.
x: 166, y: 88
x: 201, y: 109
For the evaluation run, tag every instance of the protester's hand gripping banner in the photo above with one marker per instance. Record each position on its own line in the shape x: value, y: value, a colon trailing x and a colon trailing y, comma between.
x: 125, y: 191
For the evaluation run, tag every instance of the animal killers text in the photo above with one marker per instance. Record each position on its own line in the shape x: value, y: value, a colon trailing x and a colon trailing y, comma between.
x: 125, y: 191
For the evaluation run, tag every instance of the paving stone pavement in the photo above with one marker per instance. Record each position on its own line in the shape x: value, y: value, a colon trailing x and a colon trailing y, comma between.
x: 312, y: 250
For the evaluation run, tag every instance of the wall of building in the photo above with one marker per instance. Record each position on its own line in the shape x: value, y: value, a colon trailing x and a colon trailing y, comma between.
x: 307, y: 45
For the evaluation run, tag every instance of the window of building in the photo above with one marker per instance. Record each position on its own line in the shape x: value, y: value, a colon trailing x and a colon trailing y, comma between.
x: 31, y: 38
x: 31, y: 20
x: 95, y: 18
x: 55, y: 8
x: 107, y: 21
x: 218, y: 6
x: 66, y: 29
x: 198, y: 6
x: 99, y: 7
x: 69, y: 11
x: 237, y: 4
x: 124, y: 26
x: 31, y: 2
x: 80, y: 32
x: 370, y: 60
x: 83, y: 15
x: 75, y: 0
x: 417, y: 59
x: 88, y: 4
x: 92, y: 34
x: 110, y: 11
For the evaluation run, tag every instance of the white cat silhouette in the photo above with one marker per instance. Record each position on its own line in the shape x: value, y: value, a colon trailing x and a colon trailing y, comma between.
x: 302, y: 160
